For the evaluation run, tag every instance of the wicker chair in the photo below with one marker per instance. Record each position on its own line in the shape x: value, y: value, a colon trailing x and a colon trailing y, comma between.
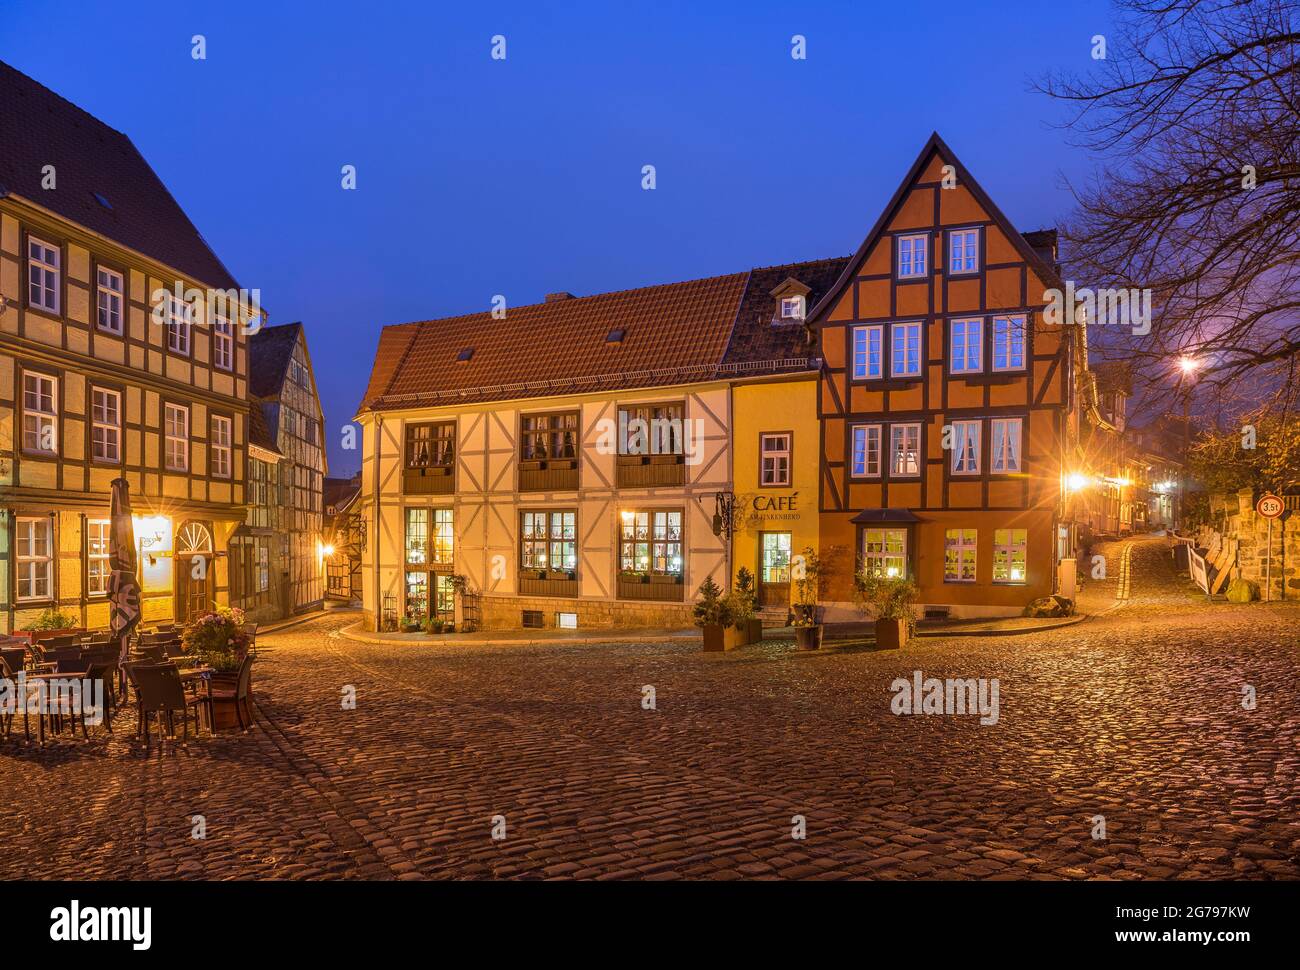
x: 240, y: 694
x: 159, y: 692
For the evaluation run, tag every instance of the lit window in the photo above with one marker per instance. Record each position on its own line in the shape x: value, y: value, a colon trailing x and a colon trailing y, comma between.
x: 548, y: 541
x: 1009, y: 343
x: 792, y: 308
x: 1009, y: 555
x: 963, y: 250
x: 911, y: 255
x: 867, y: 343
x: 884, y: 553
x: 97, y: 567
x: 35, y: 558
x: 650, y: 543
x: 40, y: 414
x: 223, y: 343
x: 775, y: 459
x: 43, y: 266
x: 959, y: 556
x: 176, y: 429
x: 905, y: 340
x: 1006, y: 444
x: 108, y: 287
x: 651, y: 429
x: 105, y: 425
x: 177, y: 315
x: 966, y: 447
x: 221, y: 435
x: 866, y: 451
x: 967, y: 346
x: 905, y: 449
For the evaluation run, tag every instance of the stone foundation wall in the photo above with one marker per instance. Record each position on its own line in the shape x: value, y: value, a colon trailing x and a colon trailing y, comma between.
x: 506, y: 613
x: 1250, y: 529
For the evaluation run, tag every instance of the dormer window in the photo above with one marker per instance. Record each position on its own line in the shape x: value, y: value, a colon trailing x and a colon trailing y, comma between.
x: 792, y: 308
x: 464, y: 356
x: 791, y: 302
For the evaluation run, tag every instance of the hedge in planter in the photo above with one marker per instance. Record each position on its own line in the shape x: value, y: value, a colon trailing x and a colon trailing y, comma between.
x: 713, y: 616
x: 892, y: 601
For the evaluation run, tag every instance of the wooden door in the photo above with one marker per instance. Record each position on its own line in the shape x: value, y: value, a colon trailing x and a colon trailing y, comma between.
x: 774, y: 569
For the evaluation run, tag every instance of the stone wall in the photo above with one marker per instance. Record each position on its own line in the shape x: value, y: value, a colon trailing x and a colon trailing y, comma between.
x: 506, y: 613
x: 1250, y: 529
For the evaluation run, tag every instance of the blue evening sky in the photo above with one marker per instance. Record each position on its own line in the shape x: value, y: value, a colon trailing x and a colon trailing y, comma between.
x: 523, y: 176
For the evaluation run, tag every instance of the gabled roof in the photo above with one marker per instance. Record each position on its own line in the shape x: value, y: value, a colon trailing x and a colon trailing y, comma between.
x: 93, y: 162
x: 934, y: 145
x: 338, y: 493
x: 259, y: 433
x: 754, y: 337
x: 269, y: 352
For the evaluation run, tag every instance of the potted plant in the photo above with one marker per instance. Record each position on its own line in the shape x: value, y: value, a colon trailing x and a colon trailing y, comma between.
x: 892, y: 601
x: 52, y: 622
x: 217, y: 639
x: 806, y: 571
x: 747, y: 599
x: 411, y: 624
x: 448, y: 626
x: 713, y: 616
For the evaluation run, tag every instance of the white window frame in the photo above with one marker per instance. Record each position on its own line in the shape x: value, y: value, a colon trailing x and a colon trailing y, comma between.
x: 1006, y: 431
x: 97, y: 563
x: 44, y: 275
x: 963, y: 432
x: 110, y: 291
x: 223, y: 343
x: 1014, y: 322
x: 865, y: 441
x: 883, y: 554
x: 108, y: 421
x: 776, y: 447
x: 913, y: 270
x: 176, y: 446
x: 904, y: 433
x: 179, y: 320
x: 908, y: 330
x: 967, y: 252
x: 1008, y: 542
x: 40, y: 416
x: 863, y: 338
x: 221, y: 446
x: 31, y: 567
x: 792, y: 307
x: 963, y: 541
x: 966, y: 324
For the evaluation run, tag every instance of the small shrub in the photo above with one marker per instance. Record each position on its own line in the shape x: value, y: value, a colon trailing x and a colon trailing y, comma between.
x: 712, y: 608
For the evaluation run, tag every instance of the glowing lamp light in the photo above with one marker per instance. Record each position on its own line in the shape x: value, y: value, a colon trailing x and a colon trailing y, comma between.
x: 892, y: 572
x: 628, y: 515
x: 327, y: 551
x: 1076, y: 482
x: 1017, y: 574
x: 1188, y: 365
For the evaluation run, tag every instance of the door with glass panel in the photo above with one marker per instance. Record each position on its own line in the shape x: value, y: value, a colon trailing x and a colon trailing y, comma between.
x: 774, y: 569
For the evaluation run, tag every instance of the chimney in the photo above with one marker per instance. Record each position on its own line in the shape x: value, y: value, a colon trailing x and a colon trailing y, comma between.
x: 557, y: 297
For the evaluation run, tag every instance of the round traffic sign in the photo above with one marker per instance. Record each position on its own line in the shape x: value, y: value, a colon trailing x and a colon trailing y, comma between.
x: 1270, y: 506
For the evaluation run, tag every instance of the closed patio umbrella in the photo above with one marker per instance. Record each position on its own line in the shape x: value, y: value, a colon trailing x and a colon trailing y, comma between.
x: 123, y: 589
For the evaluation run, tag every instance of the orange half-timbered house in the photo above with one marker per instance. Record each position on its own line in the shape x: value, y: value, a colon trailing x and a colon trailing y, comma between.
x: 946, y: 401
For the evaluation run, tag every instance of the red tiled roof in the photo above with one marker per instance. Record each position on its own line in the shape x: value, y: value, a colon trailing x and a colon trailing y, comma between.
x: 39, y: 128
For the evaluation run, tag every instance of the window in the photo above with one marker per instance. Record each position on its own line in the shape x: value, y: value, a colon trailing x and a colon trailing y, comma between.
x: 792, y: 308
x: 966, y: 346
x: 223, y: 343
x: 177, y: 315
x: 548, y: 541
x: 963, y: 250
x: 105, y: 425
x: 905, y: 449
x: 774, y: 461
x: 866, y: 451
x: 108, y: 289
x: 263, y: 564
x: 651, y: 429
x: 884, y: 552
x: 423, y: 547
x: 35, y: 559
x: 43, y: 261
x: 650, y: 543
x: 298, y: 373
x: 1008, y: 343
x: 959, y: 556
x: 97, y: 568
x: 40, y: 414
x: 966, y: 447
x: 545, y: 436
x: 1009, y: 555
x: 176, y: 429
x: 1006, y: 444
x: 221, y: 434
x: 867, y: 343
x: 906, y: 350
x: 911, y: 255
x: 430, y: 445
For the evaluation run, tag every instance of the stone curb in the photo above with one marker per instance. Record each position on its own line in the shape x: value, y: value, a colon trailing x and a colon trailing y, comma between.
x: 352, y: 633
x: 297, y: 620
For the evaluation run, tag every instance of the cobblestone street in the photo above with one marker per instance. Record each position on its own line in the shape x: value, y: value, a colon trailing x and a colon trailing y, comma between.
x: 1135, y: 715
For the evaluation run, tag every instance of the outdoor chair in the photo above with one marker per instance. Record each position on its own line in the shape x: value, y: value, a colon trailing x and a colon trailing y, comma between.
x: 106, y: 672
x: 159, y: 692
x: 16, y: 657
x: 97, y: 639
x: 63, y: 656
x: 251, y: 630
x: 152, y: 654
x: 240, y: 694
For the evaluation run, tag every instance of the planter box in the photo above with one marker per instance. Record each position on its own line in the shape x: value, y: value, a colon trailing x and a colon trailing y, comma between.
x: 808, y: 637
x: 754, y: 633
x: 733, y: 638
x: 40, y: 636
x: 891, y: 634
x: 713, y: 639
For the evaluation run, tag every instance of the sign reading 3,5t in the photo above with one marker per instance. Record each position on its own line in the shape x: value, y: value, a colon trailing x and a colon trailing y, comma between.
x: 1270, y: 506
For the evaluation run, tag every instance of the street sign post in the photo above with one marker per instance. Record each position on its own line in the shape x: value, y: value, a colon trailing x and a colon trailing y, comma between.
x: 1270, y: 506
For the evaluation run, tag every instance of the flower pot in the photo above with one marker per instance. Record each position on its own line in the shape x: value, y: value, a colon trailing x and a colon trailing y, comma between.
x: 714, y: 639
x: 891, y: 634
x: 808, y: 637
x: 755, y: 631
x: 733, y: 637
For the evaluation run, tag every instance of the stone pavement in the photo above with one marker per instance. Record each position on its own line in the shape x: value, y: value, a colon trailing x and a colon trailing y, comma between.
x: 1135, y: 715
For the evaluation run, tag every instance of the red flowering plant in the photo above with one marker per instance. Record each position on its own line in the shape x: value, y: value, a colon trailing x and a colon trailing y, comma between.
x: 218, y: 639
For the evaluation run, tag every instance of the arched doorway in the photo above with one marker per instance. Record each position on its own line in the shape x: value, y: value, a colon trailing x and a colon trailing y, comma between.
x: 194, y: 562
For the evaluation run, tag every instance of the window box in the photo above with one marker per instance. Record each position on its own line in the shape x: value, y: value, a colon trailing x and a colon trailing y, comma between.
x: 431, y: 480
x: 640, y: 471
x: 640, y: 586
x: 550, y: 474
